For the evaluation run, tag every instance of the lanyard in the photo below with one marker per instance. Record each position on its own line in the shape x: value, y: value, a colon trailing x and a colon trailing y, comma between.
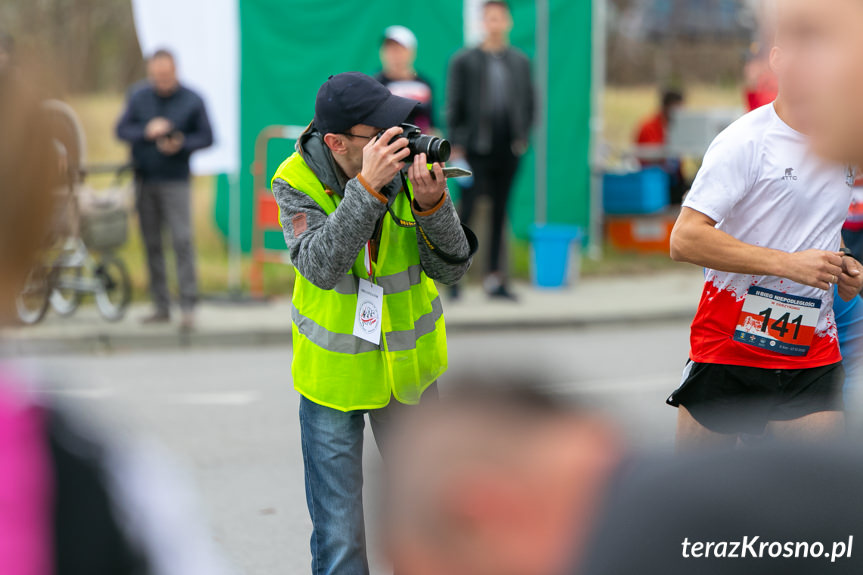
x: 471, y: 237
x: 367, y: 258
x: 397, y: 220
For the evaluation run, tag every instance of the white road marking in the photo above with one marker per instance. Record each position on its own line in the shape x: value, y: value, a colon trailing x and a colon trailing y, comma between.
x: 633, y: 384
x: 223, y: 398
x: 83, y: 393
x: 228, y: 398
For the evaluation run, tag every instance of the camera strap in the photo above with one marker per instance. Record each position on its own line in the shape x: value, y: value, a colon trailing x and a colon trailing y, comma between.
x: 473, y: 242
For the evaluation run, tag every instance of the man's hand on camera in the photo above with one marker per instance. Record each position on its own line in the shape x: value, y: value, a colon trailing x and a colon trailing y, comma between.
x: 383, y: 158
x: 158, y: 127
x: 170, y: 145
x: 519, y: 148
x: 429, y: 186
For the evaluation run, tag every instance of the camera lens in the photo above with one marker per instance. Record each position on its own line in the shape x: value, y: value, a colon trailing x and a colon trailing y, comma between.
x: 435, y: 149
x: 441, y: 150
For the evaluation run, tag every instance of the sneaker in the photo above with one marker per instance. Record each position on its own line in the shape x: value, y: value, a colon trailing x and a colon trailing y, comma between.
x: 157, y: 317
x: 501, y: 292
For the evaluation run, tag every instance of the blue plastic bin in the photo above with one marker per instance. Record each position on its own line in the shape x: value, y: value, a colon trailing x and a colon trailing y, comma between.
x: 638, y: 193
x: 555, y: 255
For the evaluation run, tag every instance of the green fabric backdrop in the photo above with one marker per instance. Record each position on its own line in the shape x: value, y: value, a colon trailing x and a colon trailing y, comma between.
x: 290, y: 47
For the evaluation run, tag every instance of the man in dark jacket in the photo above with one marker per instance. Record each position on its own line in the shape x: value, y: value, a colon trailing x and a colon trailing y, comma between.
x: 490, y: 109
x: 166, y: 122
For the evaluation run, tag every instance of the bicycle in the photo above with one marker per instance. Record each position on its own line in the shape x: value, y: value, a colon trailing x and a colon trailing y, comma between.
x: 63, y: 282
x: 69, y: 270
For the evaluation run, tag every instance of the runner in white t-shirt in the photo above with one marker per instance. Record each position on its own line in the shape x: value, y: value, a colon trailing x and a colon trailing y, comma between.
x: 764, y: 217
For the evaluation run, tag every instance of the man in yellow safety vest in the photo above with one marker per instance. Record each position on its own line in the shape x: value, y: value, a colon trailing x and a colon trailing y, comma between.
x: 368, y: 231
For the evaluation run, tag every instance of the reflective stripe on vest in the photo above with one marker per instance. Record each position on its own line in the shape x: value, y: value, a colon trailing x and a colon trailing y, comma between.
x: 394, y: 283
x: 333, y: 367
x: 347, y: 343
x: 344, y: 343
x: 331, y: 341
x: 406, y: 340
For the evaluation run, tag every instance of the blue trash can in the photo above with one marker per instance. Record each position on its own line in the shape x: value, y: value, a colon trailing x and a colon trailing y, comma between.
x: 555, y: 255
x: 644, y: 192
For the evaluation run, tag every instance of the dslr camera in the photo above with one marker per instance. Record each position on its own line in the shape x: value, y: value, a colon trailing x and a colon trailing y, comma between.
x: 436, y: 149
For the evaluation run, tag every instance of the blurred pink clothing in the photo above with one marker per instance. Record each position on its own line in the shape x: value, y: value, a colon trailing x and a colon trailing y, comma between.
x: 25, y: 484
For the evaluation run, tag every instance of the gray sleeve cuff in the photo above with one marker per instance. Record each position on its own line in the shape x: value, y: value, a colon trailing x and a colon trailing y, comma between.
x: 443, y: 227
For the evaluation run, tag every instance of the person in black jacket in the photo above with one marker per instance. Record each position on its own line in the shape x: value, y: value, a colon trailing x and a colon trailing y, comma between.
x: 166, y: 122
x: 490, y: 110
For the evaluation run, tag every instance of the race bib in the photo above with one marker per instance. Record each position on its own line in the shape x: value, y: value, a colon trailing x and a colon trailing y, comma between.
x: 778, y: 322
x: 367, y: 320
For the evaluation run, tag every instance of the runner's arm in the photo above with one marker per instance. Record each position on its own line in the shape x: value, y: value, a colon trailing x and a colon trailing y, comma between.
x: 696, y: 240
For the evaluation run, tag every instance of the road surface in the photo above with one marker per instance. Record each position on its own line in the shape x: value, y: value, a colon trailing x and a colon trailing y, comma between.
x: 230, y: 415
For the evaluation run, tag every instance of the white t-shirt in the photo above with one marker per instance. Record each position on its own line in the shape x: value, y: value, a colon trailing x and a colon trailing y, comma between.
x: 763, y: 186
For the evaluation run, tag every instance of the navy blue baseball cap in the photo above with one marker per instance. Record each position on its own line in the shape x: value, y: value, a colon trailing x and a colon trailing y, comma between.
x: 352, y: 98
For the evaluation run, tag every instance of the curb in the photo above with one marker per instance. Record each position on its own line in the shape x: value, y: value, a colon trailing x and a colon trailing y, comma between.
x: 118, y: 343
x: 570, y: 323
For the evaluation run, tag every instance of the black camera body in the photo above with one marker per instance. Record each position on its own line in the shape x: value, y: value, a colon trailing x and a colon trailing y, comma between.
x: 436, y: 149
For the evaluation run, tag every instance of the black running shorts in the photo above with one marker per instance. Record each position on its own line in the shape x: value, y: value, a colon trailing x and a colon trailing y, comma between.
x: 734, y: 399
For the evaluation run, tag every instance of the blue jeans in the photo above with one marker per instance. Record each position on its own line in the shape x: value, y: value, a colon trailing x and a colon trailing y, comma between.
x: 333, y: 460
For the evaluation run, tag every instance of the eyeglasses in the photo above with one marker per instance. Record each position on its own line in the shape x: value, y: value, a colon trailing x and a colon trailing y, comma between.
x: 359, y: 136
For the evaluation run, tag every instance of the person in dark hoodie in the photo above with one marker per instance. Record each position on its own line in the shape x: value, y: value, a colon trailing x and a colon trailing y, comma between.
x: 369, y: 232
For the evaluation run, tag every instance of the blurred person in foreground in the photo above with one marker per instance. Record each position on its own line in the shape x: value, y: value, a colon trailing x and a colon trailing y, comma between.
x: 651, y: 137
x: 501, y: 480
x: 165, y: 122
x: 490, y: 112
x: 74, y: 499
x: 369, y: 232
x: 834, y: 31
x: 834, y: 58
x: 765, y: 217
x: 398, y: 55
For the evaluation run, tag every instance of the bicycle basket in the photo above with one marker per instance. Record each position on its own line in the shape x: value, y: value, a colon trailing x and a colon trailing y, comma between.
x: 104, y: 218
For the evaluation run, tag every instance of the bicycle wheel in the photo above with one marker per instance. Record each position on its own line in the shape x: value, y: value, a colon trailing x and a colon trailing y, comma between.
x: 66, y: 297
x: 32, y: 303
x: 115, y: 288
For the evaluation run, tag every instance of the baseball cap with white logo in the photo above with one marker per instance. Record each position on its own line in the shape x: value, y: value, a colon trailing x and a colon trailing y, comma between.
x: 401, y: 35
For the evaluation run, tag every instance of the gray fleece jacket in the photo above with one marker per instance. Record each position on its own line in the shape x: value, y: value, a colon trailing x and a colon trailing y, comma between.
x: 324, y: 247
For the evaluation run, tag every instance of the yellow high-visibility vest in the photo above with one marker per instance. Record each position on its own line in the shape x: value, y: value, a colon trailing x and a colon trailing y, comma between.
x: 333, y: 367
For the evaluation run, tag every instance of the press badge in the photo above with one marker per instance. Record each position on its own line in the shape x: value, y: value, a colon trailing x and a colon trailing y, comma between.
x: 778, y: 322
x: 367, y: 320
